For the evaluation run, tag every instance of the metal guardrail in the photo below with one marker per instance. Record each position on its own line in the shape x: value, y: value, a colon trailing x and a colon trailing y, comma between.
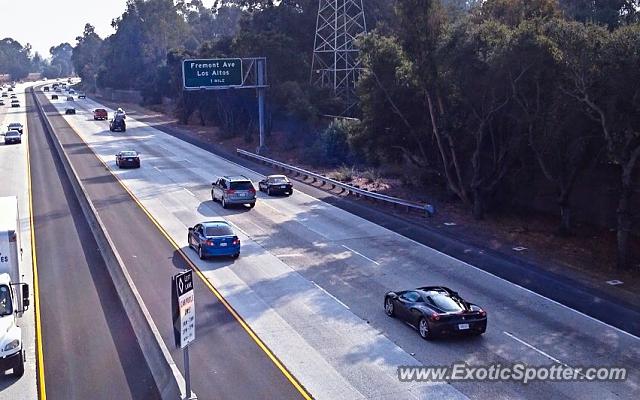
x: 428, y: 209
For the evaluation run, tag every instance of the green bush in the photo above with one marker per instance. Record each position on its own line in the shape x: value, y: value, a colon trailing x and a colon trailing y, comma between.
x: 330, y: 148
x: 343, y: 174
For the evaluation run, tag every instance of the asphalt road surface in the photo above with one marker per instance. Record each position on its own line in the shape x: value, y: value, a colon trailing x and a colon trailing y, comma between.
x: 311, y: 278
x: 225, y: 362
x: 90, y: 350
x: 13, y: 182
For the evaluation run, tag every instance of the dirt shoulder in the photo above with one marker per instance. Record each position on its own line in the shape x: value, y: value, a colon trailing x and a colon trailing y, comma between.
x: 587, y: 257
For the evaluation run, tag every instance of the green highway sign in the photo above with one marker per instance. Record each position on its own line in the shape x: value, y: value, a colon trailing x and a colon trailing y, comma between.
x: 216, y: 73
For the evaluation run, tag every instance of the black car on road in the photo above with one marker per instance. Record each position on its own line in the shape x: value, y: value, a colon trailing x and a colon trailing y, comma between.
x: 436, y: 311
x: 12, y: 137
x: 128, y: 158
x: 70, y: 110
x: 117, y: 124
x: 15, y: 126
x: 276, y: 184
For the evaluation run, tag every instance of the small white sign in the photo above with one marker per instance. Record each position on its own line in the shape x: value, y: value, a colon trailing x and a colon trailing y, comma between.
x: 187, y: 304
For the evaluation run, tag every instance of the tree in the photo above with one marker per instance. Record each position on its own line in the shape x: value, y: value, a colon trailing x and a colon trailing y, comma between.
x: 14, y: 58
x: 86, y: 56
x: 609, y: 13
x: 422, y: 24
x: 602, y: 75
x: 475, y: 77
x: 61, y: 58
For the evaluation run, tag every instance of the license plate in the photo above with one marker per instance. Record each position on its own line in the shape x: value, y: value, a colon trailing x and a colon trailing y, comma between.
x: 283, y: 187
x: 463, y: 326
x: 129, y: 159
x: 223, y: 244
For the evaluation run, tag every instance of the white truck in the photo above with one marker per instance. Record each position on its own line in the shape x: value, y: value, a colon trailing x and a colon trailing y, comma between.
x: 14, y: 295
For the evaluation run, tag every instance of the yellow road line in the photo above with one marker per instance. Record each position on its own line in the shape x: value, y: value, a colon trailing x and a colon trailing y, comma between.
x: 36, y: 290
x: 292, y: 379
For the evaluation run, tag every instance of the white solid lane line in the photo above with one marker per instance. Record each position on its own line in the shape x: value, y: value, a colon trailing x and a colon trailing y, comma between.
x: 537, y: 350
x: 361, y: 255
x: 330, y: 295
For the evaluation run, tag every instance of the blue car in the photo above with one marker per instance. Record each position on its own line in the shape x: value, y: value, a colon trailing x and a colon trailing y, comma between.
x: 214, y: 238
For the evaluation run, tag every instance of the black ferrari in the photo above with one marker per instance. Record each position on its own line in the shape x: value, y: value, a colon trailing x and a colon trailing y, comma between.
x: 274, y: 184
x: 436, y: 311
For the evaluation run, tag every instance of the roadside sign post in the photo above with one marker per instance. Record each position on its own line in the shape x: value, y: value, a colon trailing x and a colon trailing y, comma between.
x: 230, y: 73
x: 184, y: 318
x: 261, y: 92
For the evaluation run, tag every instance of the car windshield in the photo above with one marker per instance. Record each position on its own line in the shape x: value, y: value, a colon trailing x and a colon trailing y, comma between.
x: 6, y: 307
x: 442, y: 301
x: 128, y: 153
x: 218, y: 230
x: 278, y: 179
x: 241, y: 185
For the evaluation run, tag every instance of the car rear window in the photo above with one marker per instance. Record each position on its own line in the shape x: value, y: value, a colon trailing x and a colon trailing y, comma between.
x: 218, y: 230
x: 100, y: 110
x: 128, y: 153
x: 443, y: 302
x: 241, y: 185
x: 279, y: 179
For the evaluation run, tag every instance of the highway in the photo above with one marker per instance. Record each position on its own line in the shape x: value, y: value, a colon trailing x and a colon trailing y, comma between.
x: 226, y: 362
x: 311, y: 278
x: 88, y: 346
x: 14, y: 182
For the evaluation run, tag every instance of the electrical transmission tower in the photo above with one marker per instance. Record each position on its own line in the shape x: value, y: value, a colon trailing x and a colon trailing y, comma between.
x: 335, y: 57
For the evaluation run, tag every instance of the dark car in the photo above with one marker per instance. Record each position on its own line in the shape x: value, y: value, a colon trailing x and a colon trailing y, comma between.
x: 15, y: 126
x: 70, y: 111
x: 10, y: 89
x: 12, y: 137
x: 70, y: 98
x: 46, y: 88
x: 214, y: 238
x: 1, y: 102
x: 128, y: 158
x: 81, y: 95
x: 436, y: 311
x: 273, y: 184
x: 233, y: 190
x: 54, y: 97
x: 117, y: 124
x: 100, y: 113
x: 15, y: 103
x: 5, y: 94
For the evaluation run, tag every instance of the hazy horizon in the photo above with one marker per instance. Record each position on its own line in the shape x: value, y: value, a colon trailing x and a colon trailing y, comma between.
x: 44, y: 24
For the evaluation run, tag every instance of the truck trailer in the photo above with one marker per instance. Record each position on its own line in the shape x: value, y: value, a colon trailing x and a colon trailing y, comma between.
x: 14, y: 295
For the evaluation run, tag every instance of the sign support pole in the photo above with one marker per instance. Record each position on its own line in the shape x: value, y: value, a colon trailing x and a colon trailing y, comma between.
x: 261, y: 94
x: 187, y: 374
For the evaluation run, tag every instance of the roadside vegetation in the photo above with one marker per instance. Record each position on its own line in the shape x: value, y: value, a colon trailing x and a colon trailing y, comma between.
x: 498, y: 104
x: 490, y: 101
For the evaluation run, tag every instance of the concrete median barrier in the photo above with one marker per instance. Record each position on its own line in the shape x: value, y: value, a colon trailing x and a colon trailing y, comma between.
x: 167, y: 376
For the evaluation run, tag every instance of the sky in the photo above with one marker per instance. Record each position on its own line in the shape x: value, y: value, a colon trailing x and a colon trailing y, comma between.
x: 46, y: 23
